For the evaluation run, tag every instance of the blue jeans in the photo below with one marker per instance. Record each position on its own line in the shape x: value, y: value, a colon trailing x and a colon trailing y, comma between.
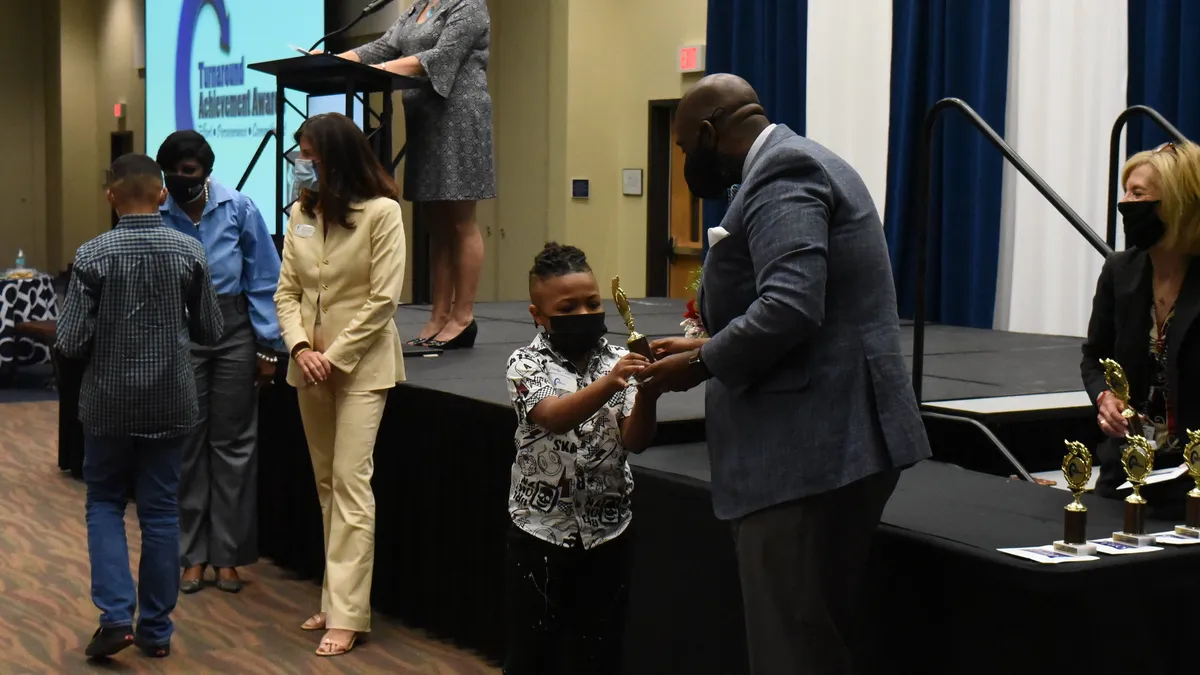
x: 112, y: 466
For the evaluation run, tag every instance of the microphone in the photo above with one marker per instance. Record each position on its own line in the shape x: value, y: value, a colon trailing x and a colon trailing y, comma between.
x: 367, y: 11
x: 376, y: 6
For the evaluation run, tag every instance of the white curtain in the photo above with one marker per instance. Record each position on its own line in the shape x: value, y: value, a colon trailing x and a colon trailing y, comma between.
x: 1067, y: 73
x: 848, y: 91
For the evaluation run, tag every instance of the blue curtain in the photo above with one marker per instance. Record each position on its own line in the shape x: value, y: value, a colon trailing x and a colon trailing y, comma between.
x: 1164, y: 68
x: 765, y: 42
x: 944, y: 48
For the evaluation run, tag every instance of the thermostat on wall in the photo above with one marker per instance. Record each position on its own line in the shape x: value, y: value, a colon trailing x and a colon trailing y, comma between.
x: 580, y: 188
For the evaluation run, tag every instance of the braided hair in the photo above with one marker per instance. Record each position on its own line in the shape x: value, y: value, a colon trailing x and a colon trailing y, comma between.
x: 556, y: 260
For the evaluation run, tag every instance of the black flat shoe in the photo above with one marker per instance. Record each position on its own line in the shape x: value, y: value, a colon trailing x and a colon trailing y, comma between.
x: 189, y: 586
x: 108, y: 641
x: 464, y: 340
x: 418, y: 342
x: 159, y: 651
x: 230, y: 585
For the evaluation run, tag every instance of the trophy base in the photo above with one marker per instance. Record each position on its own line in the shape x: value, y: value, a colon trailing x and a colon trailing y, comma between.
x: 1135, y: 518
x: 1075, y: 549
x: 1185, y: 531
x: 1074, y: 527
x: 1135, y: 540
x: 1192, y: 520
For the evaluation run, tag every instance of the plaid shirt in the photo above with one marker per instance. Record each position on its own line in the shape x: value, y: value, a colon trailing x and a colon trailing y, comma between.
x: 137, y: 294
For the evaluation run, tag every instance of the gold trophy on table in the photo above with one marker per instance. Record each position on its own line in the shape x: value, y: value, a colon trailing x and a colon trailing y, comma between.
x: 637, y: 342
x: 1191, y: 455
x: 1138, y: 461
x: 1077, y: 470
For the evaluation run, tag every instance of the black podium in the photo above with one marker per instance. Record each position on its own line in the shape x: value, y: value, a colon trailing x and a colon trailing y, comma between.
x: 324, y: 75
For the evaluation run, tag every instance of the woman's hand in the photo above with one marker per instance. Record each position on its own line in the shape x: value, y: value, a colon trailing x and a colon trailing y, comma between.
x: 315, y: 366
x: 629, y: 366
x: 675, y: 345
x: 1112, y: 423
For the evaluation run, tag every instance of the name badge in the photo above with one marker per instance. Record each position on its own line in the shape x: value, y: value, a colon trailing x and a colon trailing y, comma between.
x: 305, y: 231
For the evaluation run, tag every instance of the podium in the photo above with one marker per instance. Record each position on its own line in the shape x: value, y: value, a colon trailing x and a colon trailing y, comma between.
x: 324, y: 75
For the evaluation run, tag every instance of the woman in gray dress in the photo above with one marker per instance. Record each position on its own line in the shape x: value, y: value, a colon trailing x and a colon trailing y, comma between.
x: 449, y: 164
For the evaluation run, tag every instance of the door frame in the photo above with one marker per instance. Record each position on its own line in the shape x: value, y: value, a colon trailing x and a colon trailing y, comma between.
x: 658, y: 197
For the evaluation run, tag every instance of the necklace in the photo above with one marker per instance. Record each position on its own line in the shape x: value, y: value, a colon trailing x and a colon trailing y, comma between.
x: 196, y: 222
x: 429, y: 10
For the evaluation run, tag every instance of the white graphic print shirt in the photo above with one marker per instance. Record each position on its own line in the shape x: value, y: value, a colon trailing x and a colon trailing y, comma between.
x: 570, y: 488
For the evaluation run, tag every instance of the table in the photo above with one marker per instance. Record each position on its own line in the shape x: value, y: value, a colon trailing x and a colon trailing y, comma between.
x: 941, y: 599
x: 25, y: 300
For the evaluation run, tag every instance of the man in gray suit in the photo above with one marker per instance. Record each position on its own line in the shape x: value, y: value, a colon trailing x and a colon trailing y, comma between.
x: 810, y: 411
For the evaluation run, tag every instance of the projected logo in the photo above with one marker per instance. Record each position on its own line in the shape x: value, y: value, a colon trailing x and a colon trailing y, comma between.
x: 222, y: 86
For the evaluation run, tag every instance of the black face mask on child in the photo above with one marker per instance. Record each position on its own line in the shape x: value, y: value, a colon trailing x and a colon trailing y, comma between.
x: 575, y: 335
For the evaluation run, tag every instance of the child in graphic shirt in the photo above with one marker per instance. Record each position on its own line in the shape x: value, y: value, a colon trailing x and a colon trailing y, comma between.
x: 578, y: 417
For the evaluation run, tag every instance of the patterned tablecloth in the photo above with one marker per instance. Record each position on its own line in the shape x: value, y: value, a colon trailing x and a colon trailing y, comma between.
x: 25, y: 300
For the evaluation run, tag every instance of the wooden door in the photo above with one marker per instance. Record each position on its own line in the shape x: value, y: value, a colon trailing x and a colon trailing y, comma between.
x: 686, y: 228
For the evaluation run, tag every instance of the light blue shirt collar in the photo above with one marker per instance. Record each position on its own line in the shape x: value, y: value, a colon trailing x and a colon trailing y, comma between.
x: 758, y: 143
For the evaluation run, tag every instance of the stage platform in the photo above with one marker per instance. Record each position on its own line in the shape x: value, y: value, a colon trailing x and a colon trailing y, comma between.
x: 960, y: 363
x: 1025, y: 388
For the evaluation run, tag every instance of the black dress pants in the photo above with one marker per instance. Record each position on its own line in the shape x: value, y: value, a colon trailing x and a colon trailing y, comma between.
x: 801, y: 564
x: 565, y: 607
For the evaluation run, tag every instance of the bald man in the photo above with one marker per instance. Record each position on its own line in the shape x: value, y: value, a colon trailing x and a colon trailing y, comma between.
x: 810, y: 411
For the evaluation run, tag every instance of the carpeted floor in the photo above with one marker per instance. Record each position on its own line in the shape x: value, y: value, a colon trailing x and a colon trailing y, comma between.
x: 46, y: 614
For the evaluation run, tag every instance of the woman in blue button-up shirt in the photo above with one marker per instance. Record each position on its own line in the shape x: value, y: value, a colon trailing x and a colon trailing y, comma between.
x: 217, y: 501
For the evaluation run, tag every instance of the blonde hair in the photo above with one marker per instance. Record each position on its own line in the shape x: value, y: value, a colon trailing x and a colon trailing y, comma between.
x: 1177, y: 178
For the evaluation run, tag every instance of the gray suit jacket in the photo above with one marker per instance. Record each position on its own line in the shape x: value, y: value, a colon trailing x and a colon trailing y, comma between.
x: 809, y: 389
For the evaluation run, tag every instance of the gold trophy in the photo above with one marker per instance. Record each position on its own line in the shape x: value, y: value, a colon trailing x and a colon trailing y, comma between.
x: 1138, y: 460
x: 1077, y: 470
x: 637, y: 342
x: 1114, y: 376
x: 1191, y: 455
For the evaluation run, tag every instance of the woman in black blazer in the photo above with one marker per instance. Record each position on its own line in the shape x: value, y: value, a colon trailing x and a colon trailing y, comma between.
x: 1147, y: 302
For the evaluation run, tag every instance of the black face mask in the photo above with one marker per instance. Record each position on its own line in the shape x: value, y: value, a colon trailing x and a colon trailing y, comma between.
x: 705, y: 173
x: 1143, y: 227
x: 185, y: 189
x: 575, y: 335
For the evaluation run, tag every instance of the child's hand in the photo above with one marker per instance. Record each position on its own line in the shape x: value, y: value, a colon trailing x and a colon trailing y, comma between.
x: 629, y: 366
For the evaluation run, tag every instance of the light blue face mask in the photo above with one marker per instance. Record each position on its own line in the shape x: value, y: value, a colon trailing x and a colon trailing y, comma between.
x: 306, y: 175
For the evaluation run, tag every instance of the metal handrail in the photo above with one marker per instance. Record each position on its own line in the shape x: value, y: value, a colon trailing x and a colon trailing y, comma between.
x: 958, y: 419
x: 1115, y: 161
x: 923, y: 199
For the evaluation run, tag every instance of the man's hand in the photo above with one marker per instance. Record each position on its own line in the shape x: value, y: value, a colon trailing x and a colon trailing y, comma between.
x: 674, y: 345
x: 630, y: 365
x: 1112, y: 423
x: 315, y: 366
x: 675, y: 372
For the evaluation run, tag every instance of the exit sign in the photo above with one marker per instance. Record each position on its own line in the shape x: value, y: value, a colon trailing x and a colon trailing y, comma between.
x: 691, y: 59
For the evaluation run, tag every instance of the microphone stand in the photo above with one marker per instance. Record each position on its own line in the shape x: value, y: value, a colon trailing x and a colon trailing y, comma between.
x: 370, y: 9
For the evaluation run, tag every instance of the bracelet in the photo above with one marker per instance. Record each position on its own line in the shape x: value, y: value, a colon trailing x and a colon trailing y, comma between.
x: 268, y: 358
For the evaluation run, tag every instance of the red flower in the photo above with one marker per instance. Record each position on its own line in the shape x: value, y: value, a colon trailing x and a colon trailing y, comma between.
x: 691, y: 312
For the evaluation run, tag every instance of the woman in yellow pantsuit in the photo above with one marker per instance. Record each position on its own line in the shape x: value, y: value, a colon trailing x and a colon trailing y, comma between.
x: 343, y: 269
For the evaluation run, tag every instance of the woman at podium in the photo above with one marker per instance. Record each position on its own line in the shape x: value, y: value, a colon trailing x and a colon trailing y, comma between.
x: 450, y: 163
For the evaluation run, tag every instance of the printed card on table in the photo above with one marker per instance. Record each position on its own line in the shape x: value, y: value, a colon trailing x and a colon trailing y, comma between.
x: 1172, y: 539
x: 1046, y: 555
x: 1110, y: 546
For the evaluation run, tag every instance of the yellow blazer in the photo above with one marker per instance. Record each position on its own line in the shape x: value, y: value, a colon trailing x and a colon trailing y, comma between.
x: 354, y: 275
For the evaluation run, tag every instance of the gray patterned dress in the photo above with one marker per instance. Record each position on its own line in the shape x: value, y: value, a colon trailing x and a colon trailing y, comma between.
x: 448, y: 124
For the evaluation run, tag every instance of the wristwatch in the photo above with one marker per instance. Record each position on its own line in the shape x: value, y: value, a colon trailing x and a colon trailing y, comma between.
x: 697, y: 360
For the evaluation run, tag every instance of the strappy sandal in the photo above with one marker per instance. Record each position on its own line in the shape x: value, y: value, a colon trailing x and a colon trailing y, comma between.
x: 330, y: 648
x: 314, y: 622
